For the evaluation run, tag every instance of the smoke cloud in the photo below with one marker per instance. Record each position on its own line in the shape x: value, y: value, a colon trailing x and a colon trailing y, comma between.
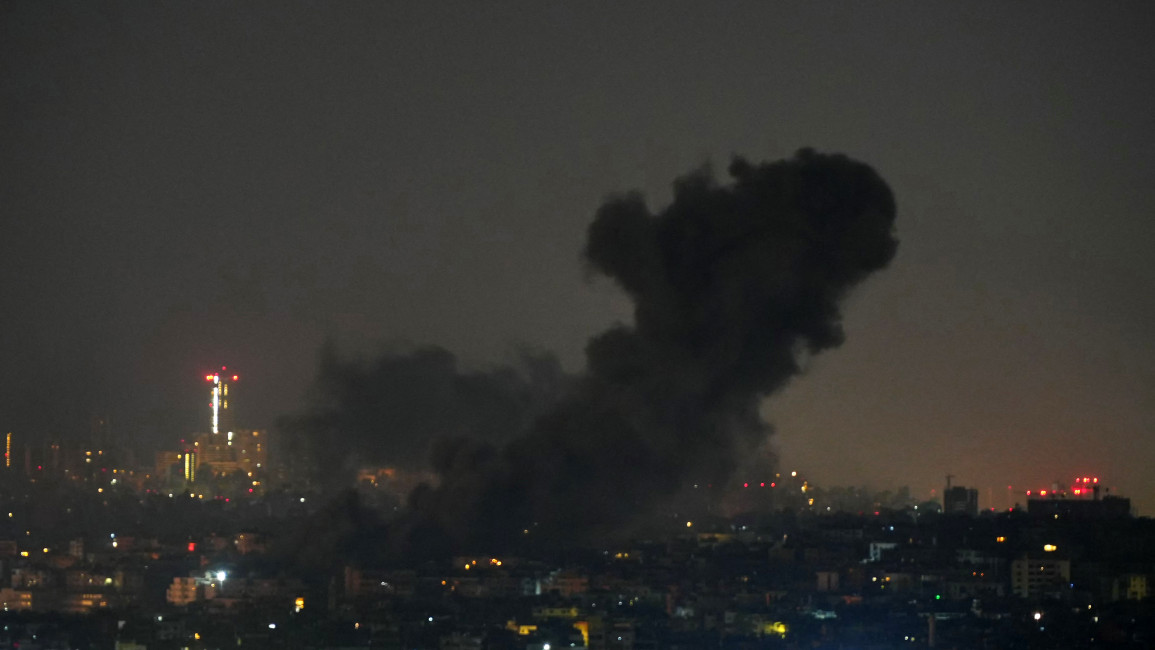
x: 733, y: 286
x: 393, y: 409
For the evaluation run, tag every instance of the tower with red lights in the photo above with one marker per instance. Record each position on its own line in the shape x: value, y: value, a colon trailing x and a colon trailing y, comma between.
x: 219, y: 401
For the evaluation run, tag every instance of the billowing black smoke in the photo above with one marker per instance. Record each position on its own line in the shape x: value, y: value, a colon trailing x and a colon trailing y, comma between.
x: 390, y: 409
x: 733, y: 285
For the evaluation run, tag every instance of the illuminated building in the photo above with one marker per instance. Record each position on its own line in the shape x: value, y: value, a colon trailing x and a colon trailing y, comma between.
x: 15, y: 599
x: 244, y: 450
x: 251, y: 449
x: 1034, y: 578
x: 219, y: 401
x: 1082, y: 501
x: 212, y: 449
x: 8, y: 450
x: 1130, y: 586
x: 190, y: 465
x: 185, y: 591
x: 227, y: 449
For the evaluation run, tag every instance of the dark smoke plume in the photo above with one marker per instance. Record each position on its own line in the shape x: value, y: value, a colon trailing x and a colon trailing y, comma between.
x: 733, y: 284
x: 390, y: 410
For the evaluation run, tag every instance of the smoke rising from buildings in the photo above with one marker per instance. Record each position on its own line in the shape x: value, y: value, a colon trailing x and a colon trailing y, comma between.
x: 733, y: 285
x: 390, y: 409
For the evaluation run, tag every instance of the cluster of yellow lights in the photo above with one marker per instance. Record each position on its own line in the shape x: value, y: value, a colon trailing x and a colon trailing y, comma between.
x: 776, y: 627
x: 1000, y: 539
x: 469, y: 565
x: 1050, y: 548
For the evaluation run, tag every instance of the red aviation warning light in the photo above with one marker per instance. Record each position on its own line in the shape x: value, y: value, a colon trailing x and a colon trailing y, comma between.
x: 218, y: 394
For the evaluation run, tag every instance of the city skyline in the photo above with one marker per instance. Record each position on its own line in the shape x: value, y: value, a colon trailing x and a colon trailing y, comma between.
x: 191, y: 186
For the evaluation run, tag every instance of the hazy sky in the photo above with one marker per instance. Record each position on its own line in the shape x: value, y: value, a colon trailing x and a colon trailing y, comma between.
x: 185, y: 185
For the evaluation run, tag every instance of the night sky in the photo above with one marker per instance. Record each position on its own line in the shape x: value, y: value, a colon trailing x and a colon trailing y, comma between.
x: 186, y: 185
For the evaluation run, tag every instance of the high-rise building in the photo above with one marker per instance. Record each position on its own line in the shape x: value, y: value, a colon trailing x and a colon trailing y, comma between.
x: 222, y: 419
x: 244, y: 450
x: 1062, y: 507
x: 960, y: 500
x: 190, y: 466
x: 1036, y: 577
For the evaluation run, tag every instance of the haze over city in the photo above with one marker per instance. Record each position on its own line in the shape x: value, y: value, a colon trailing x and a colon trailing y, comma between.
x: 187, y: 187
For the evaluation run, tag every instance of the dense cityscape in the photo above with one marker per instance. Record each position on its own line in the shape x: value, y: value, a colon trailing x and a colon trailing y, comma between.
x: 222, y: 543
x: 765, y: 324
